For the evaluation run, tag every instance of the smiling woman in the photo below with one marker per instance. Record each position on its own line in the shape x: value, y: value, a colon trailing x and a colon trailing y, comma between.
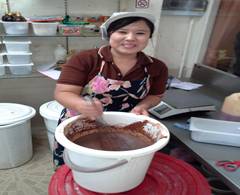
x: 130, y: 80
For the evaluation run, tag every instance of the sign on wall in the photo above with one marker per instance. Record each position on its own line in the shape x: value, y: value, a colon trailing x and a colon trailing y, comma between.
x: 142, y: 4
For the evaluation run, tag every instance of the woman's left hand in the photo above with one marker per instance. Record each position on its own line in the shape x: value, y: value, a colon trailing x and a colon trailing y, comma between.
x: 145, y: 104
x: 139, y: 111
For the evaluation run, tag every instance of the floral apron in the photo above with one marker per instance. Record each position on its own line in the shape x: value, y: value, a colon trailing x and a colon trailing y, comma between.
x: 115, y: 95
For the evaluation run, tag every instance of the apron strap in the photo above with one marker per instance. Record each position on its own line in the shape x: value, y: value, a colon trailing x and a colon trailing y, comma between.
x: 102, y: 65
x: 103, y: 61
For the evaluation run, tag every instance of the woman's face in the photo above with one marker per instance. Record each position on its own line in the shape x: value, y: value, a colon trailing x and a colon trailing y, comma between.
x: 130, y: 39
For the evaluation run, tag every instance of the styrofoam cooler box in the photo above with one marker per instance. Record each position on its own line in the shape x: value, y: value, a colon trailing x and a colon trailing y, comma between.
x: 17, y: 45
x: 19, y: 58
x: 20, y: 69
x: 15, y: 28
x: 45, y: 28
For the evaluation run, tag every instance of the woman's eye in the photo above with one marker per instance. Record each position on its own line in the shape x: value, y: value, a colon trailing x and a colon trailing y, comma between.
x: 140, y: 33
x: 122, y: 32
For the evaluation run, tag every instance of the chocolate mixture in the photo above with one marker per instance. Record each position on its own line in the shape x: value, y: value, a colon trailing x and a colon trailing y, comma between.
x: 109, y: 138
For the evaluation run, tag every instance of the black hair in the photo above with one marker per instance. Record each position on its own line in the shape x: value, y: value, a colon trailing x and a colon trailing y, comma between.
x: 126, y: 21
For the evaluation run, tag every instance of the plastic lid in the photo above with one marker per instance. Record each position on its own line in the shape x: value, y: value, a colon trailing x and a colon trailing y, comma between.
x: 14, y: 22
x: 16, y: 53
x: 30, y: 64
x: 166, y: 175
x: 16, y: 40
x: 51, y: 110
x: 12, y: 113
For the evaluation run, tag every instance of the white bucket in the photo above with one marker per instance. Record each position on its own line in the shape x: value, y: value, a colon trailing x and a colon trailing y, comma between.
x: 15, y: 134
x: 110, y: 171
x: 50, y: 111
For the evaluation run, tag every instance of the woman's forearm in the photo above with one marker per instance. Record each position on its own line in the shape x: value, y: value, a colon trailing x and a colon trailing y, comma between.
x: 69, y: 100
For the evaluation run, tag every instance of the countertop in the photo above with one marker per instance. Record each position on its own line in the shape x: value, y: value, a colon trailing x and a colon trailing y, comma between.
x: 206, y: 153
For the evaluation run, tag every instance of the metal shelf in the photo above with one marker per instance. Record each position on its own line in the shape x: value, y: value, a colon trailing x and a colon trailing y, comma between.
x: 182, y: 13
x: 31, y: 34
x: 34, y: 74
x: 57, y: 35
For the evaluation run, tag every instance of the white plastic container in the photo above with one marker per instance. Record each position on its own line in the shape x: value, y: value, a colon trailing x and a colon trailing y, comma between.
x: 2, y: 66
x: 1, y: 58
x: 19, y: 58
x: 15, y: 134
x: 45, y: 28
x: 111, y: 171
x: 20, y: 69
x: 17, y: 45
x: 2, y: 70
x: 215, y: 131
x: 15, y: 28
x: 50, y: 111
x: 60, y: 53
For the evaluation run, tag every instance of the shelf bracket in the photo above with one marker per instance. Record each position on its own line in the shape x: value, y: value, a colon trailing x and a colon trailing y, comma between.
x: 66, y: 13
x: 66, y: 7
x: 8, y: 6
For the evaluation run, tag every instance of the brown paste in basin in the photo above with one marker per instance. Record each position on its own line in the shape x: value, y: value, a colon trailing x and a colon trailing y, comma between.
x: 109, y: 138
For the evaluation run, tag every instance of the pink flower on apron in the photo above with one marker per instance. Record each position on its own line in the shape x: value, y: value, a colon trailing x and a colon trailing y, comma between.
x: 116, y: 84
x: 99, y: 85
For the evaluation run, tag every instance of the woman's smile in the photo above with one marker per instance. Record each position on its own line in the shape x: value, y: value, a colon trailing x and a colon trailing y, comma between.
x: 129, y: 45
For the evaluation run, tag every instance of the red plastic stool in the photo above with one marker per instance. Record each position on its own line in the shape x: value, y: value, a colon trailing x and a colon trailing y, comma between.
x: 166, y: 176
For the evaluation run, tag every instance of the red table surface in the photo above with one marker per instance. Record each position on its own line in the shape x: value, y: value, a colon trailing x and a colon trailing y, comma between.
x: 165, y: 176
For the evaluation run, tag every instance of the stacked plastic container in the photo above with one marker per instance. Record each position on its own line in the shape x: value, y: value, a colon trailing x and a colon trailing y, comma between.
x: 45, y: 28
x: 45, y: 25
x: 2, y: 67
x: 39, y: 27
x: 18, y: 55
x: 15, y: 28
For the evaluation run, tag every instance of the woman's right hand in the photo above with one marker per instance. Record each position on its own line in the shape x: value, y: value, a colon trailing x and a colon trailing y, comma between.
x: 68, y: 96
x: 92, y: 108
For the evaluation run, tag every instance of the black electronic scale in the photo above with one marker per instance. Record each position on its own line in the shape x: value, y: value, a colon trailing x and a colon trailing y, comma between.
x: 177, y: 101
